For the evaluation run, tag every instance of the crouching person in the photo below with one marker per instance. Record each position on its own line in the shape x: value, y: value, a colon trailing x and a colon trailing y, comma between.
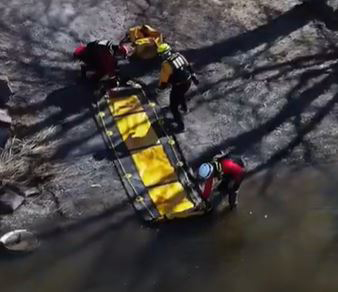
x: 100, y: 57
x: 224, y: 173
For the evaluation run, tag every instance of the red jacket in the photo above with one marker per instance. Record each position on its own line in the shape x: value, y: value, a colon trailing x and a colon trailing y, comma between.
x: 225, y: 170
x: 99, y: 57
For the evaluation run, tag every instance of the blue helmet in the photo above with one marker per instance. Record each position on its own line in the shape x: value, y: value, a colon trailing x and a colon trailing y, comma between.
x: 205, y: 171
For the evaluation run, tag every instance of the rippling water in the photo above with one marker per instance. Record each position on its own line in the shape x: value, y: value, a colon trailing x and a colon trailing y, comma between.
x: 282, y: 238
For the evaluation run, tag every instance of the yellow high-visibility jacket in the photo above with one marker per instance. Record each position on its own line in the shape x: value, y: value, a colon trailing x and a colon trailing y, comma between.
x: 166, y: 71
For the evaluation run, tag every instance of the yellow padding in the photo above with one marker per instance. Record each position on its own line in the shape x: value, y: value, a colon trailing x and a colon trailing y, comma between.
x: 136, y: 131
x: 154, y: 166
x: 144, y: 41
x: 146, y: 48
x: 144, y: 31
x: 125, y: 105
x: 170, y: 199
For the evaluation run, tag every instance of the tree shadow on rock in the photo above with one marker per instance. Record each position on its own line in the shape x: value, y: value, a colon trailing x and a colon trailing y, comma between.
x: 323, y: 12
x: 291, y: 111
x: 281, y: 26
x: 137, y: 68
x: 71, y: 100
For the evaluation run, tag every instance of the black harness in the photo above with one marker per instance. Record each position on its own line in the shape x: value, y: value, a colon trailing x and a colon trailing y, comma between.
x: 180, y: 65
x: 101, y: 44
x: 107, y: 44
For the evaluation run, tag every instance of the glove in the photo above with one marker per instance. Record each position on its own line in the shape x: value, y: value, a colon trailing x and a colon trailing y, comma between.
x: 194, y: 79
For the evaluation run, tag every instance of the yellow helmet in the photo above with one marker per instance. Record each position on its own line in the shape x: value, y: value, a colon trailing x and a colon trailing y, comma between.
x: 163, y: 48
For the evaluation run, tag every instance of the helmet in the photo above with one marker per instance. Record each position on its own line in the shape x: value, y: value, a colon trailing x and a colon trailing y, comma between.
x: 163, y: 48
x: 205, y: 171
x: 79, y: 52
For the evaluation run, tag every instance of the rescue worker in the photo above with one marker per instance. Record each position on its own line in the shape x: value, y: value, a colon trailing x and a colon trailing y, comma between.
x: 177, y: 71
x: 224, y: 173
x: 99, y: 56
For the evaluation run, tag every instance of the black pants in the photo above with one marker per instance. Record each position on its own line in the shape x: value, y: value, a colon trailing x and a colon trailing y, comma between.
x: 177, y: 98
x: 231, y: 192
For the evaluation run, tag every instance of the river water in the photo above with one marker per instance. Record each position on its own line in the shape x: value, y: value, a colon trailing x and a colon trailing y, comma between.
x: 281, y: 238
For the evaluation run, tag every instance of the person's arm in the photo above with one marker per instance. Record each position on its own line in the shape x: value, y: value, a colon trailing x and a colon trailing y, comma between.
x: 194, y: 79
x: 207, y: 190
x: 192, y: 72
x: 165, y: 74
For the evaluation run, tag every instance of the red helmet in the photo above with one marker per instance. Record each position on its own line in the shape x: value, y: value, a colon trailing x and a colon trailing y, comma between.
x: 79, y: 52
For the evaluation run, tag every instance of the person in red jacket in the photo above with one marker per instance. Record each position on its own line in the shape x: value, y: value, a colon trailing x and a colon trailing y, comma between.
x: 99, y: 56
x: 224, y: 173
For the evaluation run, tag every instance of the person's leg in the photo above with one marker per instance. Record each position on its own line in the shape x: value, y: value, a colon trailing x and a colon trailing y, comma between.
x: 226, y: 188
x: 84, y: 72
x: 233, y: 202
x: 174, y: 103
x: 232, y: 190
x: 183, y: 90
x: 184, y: 107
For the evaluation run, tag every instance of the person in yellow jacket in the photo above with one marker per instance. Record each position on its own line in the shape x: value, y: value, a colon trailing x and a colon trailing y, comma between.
x: 176, y: 71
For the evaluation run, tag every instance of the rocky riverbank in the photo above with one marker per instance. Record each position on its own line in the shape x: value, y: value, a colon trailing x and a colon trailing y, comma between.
x: 268, y: 89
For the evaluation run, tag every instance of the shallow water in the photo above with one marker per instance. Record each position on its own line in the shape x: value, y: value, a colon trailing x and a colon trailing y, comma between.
x: 281, y: 238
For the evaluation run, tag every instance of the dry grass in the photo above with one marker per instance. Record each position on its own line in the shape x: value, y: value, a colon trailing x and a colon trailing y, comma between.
x: 25, y: 161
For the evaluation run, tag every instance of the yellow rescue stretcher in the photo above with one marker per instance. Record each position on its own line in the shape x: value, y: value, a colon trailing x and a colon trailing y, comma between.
x: 147, y: 159
x: 142, y: 41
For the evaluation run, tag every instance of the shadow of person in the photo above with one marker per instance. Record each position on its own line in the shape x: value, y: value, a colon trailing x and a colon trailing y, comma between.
x: 137, y: 67
x: 120, y: 151
x: 72, y: 99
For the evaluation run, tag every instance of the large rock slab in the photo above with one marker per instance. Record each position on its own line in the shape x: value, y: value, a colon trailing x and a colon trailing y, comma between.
x: 5, y: 90
x: 29, y: 192
x: 5, y: 118
x: 5, y: 124
x: 9, y: 201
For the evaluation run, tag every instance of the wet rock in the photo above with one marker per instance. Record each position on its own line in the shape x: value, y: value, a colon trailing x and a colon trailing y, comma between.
x: 20, y: 240
x: 31, y: 192
x: 5, y: 124
x: 5, y: 118
x: 5, y: 90
x: 9, y: 201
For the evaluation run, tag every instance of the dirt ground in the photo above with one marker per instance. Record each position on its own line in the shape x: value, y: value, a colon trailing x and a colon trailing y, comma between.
x: 268, y: 88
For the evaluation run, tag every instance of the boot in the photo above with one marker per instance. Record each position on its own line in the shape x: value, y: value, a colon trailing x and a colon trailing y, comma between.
x: 180, y: 128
